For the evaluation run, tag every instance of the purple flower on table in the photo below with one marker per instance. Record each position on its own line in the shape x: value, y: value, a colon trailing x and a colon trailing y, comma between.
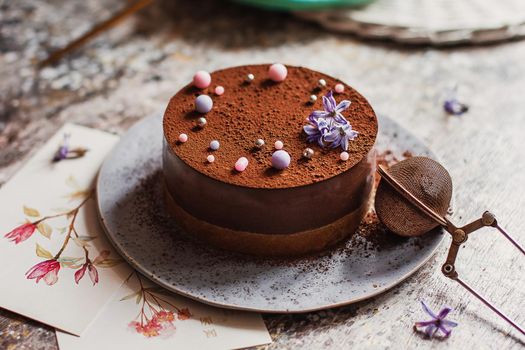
x: 329, y: 128
x: 437, y: 324
x: 454, y: 107
x: 63, y: 150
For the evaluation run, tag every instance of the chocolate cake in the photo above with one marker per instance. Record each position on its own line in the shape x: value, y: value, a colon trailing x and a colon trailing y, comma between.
x: 272, y: 160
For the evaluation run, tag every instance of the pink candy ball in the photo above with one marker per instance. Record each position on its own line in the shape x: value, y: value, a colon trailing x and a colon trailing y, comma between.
x: 219, y: 90
x: 241, y: 164
x: 277, y: 72
x: 278, y: 144
x: 339, y: 88
x: 183, y: 138
x: 344, y: 156
x: 210, y: 158
x: 202, y: 79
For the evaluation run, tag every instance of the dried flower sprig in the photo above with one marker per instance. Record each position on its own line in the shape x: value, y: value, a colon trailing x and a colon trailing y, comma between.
x: 438, y: 326
x: 329, y: 128
x: 65, y: 152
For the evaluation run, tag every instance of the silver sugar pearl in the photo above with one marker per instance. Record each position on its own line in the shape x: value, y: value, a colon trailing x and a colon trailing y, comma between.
x: 250, y: 77
x: 313, y: 98
x: 259, y: 143
x: 201, y: 122
x: 322, y: 82
x: 308, y: 153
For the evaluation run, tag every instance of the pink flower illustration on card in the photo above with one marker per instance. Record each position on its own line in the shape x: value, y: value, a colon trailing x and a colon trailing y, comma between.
x: 49, y: 268
x: 157, y: 315
x: 155, y: 326
x: 21, y: 233
x: 183, y: 314
x: 92, y: 272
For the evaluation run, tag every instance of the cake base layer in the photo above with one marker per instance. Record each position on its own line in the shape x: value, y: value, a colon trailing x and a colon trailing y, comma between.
x: 263, y: 244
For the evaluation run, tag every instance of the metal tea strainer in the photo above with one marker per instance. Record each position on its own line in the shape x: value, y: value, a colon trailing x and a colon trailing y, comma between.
x: 413, y: 197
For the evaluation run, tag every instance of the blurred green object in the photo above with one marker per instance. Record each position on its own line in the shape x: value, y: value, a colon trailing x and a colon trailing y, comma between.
x: 295, y: 5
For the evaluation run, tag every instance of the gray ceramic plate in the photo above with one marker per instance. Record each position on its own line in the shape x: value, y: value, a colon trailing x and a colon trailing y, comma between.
x: 129, y: 194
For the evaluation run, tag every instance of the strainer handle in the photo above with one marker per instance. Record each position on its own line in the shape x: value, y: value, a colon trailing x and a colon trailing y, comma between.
x: 490, y: 305
x: 459, y: 236
x: 512, y: 240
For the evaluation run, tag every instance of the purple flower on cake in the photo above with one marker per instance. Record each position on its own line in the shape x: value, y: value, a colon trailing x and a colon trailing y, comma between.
x: 317, y: 130
x: 332, y: 109
x: 438, y: 323
x: 329, y: 128
x: 340, y: 136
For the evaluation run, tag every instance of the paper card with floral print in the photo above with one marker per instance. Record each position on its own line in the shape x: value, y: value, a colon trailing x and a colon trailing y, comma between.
x: 55, y: 264
x: 144, y: 316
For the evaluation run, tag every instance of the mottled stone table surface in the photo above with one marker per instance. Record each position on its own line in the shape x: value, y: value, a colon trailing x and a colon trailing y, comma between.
x: 132, y: 71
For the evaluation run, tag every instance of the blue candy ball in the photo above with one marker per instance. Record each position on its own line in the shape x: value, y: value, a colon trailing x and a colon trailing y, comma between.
x: 203, y: 103
x: 214, y: 145
x: 280, y: 159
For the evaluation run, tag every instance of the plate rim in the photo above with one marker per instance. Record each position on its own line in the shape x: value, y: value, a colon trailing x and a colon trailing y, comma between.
x: 151, y: 276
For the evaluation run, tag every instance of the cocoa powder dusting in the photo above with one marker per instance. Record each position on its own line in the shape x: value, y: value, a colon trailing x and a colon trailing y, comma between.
x: 269, y: 111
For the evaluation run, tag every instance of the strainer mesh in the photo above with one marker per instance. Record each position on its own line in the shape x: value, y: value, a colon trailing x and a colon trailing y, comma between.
x: 427, y: 180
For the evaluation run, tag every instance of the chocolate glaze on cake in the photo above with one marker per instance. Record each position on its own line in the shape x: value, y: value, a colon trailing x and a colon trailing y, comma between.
x: 308, y: 206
